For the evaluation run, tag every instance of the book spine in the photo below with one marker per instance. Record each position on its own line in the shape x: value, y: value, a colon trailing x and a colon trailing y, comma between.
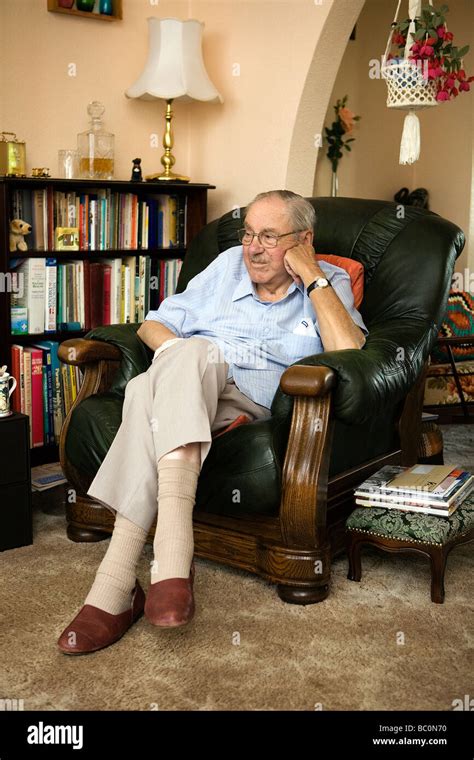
x: 50, y: 317
x: 27, y: 374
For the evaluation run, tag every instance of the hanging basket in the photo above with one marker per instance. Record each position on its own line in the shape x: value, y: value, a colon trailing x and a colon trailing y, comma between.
x: 409, y: 88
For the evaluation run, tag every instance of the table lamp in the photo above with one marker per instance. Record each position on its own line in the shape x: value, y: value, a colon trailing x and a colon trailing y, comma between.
x: 174, y: 70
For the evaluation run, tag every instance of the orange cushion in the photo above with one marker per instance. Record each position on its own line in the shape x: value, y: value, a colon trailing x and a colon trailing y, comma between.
x: 354, y: 269
x: 240, y: 420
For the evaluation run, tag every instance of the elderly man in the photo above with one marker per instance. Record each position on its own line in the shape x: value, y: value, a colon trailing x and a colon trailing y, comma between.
x: 220, y: 349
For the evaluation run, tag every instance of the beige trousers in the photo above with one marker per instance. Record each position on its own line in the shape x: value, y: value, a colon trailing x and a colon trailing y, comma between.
x: 183, y: 397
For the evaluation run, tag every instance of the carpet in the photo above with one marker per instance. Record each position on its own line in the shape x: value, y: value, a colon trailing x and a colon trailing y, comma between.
x: 376, y: 645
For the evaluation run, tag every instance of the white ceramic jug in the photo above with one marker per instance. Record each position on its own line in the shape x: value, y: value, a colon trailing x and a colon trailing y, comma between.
x: 5, y: 392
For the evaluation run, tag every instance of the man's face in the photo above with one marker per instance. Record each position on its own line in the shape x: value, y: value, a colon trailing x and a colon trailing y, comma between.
x: 265, y: 265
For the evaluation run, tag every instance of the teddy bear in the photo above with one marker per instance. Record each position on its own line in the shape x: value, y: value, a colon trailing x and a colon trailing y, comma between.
x: 18, y: 229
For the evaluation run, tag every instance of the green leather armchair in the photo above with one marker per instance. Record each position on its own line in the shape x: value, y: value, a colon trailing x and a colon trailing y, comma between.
x: 336, y: 417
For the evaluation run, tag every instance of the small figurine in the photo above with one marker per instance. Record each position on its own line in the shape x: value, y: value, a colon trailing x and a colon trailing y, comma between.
x: 136, y: 171
x: 18, y: 230
x: 41, y: 171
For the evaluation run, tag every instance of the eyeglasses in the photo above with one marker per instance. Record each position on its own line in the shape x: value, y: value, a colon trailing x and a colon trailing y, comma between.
x: 267, y: 239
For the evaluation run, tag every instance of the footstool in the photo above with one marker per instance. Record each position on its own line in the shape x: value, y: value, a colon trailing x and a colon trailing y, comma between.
x: 392, y: 530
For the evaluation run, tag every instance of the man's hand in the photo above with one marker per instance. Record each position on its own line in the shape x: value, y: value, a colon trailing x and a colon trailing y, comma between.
x: 336, y: 327
x: 301, y: 263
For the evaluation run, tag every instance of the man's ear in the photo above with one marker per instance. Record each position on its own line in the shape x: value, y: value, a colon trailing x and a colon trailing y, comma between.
x: 307, y: 237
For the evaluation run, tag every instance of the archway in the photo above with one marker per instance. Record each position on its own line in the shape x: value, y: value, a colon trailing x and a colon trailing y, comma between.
x: 317, y: 90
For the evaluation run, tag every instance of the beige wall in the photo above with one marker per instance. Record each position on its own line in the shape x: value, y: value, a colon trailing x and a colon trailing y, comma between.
x: 446, y: 162
x: 372, y: 169
x: 47, y: 107
x: 242, y: 146
x: 263, y: 135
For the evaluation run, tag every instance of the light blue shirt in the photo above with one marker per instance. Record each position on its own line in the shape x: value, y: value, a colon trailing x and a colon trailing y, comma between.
x: 259, y: 339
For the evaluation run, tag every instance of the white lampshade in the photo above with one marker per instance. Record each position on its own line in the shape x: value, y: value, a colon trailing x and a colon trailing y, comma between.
x: 174, y: 68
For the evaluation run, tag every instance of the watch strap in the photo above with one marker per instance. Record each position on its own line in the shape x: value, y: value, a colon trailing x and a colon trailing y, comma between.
x: 314, y: 284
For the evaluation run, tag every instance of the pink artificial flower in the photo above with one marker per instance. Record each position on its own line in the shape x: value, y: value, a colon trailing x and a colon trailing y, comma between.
x: 442, y: 95
x: 441, y: 32
x: 464, y: 86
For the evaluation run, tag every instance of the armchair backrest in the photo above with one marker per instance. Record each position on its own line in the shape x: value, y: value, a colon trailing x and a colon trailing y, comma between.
x: 408, y: 255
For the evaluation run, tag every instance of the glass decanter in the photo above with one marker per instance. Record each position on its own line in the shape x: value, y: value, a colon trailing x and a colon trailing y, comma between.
x: 96, y: 147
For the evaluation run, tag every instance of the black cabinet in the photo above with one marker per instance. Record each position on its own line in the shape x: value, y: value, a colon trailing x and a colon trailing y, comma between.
x: 15, y: 482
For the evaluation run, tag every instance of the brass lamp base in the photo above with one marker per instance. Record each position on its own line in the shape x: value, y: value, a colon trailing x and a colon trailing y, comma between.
x: 167, y: 159
x: 164, y: 177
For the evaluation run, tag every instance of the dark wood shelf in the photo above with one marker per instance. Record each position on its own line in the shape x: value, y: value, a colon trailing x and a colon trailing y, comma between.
x: 110, y: 253
x: 116, y: 16
x: 116, y: 184
x: 59, y: 335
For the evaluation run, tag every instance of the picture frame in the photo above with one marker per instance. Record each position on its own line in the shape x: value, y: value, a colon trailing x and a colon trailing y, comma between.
x: 66, y: 239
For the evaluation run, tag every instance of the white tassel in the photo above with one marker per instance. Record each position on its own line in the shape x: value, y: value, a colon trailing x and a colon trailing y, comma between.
x: 410, y: 145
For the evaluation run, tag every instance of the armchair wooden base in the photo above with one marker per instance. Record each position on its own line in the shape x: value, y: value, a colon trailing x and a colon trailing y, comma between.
x: 293, y: 549
x: 253, y: 543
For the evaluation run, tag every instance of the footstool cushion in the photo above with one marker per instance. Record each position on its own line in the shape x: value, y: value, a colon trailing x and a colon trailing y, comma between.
x: 413, y: 526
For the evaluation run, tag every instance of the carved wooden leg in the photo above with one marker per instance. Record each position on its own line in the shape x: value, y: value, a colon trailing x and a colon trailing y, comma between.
x: 302, y: 594
x: 87, y: 520
x: 438, y: 557
x: 80, y: 534
x: 354, y: 546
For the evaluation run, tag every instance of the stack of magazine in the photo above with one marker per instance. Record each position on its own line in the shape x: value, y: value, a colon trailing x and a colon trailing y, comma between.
x: 431, y: 489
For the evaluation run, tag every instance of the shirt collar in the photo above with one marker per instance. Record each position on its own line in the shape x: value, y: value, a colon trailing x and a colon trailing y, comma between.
x: 245, y: 286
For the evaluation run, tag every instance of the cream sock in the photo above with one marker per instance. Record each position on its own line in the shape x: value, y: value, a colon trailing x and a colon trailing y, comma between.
x: 116, y: 576
x: 173, y: 545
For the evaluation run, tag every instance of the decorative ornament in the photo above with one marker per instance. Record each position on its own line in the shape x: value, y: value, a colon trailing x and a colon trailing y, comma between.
x: 427, y: 71
x: 136, y: 171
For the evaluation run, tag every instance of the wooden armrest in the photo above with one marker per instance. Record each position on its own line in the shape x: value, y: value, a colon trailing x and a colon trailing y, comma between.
x: 307, y: 380
x: 80, y: 351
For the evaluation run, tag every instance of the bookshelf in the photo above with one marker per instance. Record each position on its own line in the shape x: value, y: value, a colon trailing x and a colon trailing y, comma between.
x: 190, y: 201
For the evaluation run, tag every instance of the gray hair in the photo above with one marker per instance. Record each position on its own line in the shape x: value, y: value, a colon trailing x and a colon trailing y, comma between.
x: 300, y: 211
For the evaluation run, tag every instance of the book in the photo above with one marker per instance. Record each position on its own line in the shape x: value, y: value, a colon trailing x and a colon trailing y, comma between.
x: 427, y: 481
x: 47, y: 476
x: 423, y: 477
x: 36, y: 383
x: 51, y: 347
x: 19, y: 320
x: 380, y: 483
x: 394, y: 500
x: 452, y: 485
x: 33, y: 272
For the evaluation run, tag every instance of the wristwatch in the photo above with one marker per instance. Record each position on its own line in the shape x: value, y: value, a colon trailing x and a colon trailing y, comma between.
x: 319, y: 282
